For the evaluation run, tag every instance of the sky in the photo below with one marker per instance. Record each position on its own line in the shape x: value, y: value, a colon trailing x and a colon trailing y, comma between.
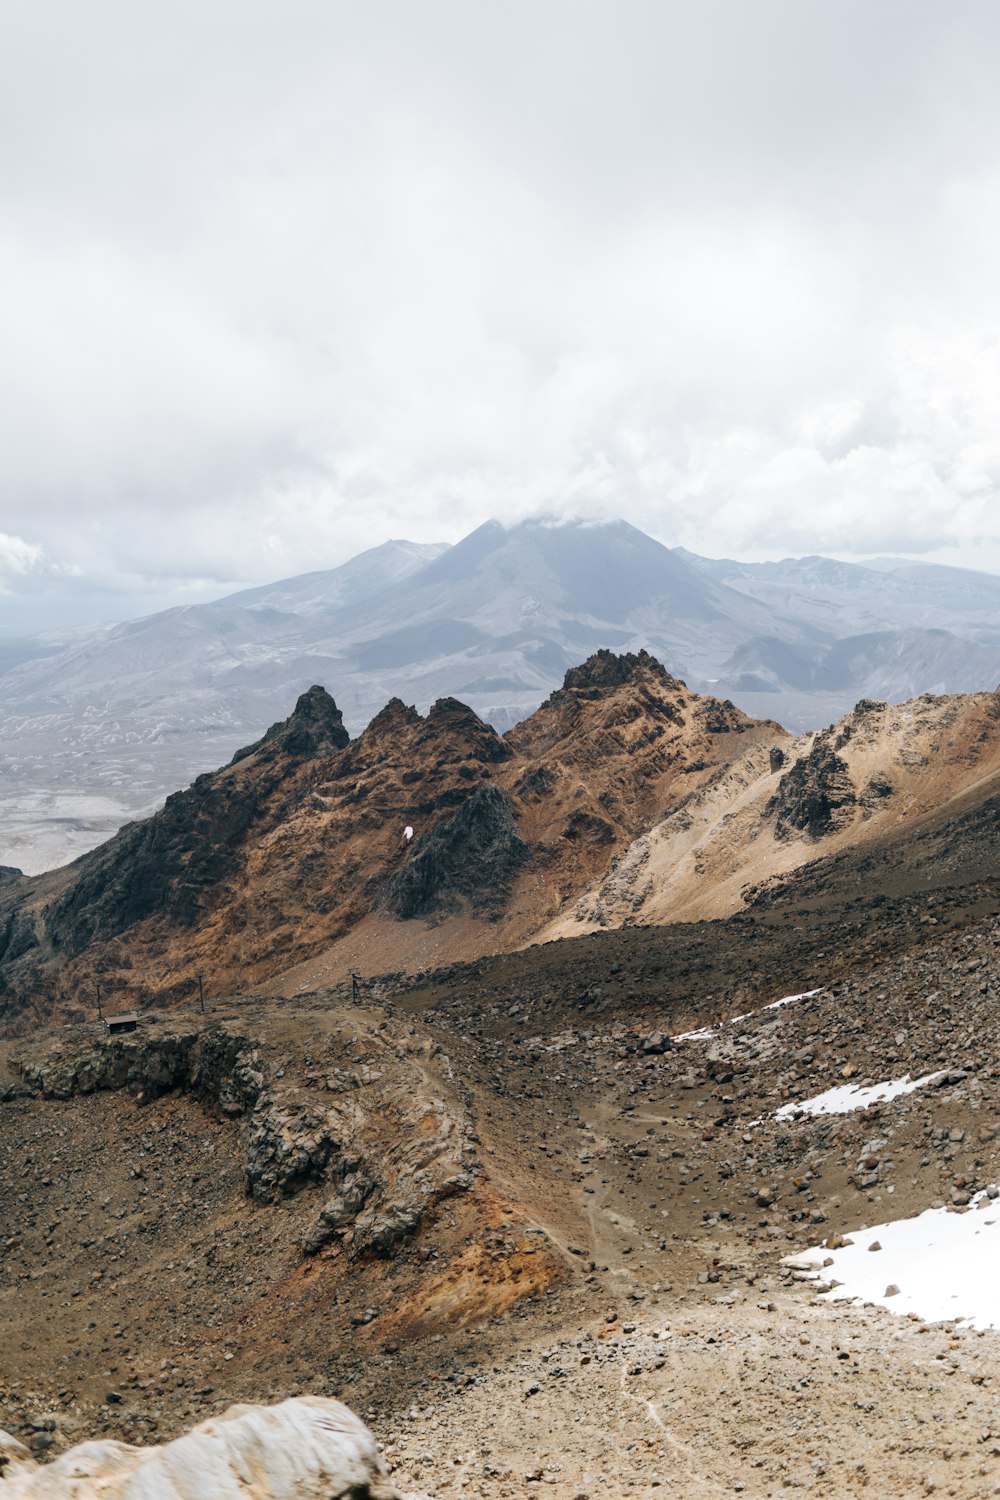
x: 279, y: 282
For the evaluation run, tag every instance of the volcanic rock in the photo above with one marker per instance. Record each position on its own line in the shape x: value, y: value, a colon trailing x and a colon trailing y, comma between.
x: 279, y: 857
x: 473, y: 855
x: 813, y: 796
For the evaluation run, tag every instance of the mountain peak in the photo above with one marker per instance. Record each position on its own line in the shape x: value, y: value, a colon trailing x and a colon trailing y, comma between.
x: 450, y: 716
x: 608, y: 669
x: 395, y: 717
x: 314, y: 727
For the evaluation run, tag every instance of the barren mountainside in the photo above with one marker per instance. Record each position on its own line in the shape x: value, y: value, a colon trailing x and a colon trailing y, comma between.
x: 99, y: 723
x: 539, y: 1217
x: 625, y: 799
x: 878, y: 779
x: 530, y: 1217
x: 301, y: 839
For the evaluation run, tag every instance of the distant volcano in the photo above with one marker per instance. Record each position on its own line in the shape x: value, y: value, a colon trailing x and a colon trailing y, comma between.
x: 98, y: 730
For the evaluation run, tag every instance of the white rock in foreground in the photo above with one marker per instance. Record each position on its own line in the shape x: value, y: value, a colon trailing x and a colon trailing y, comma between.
x: 308, y: 1448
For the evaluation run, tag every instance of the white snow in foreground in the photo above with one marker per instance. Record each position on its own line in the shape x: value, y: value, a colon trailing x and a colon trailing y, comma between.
x: 789, y: 1000
x: 705, y: 1033
x: 944, y: 1264
x: 850, y: 1096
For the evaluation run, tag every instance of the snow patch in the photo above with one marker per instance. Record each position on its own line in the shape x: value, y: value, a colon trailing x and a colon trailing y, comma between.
x: 940, y: 1265
x: 705, y: 1033
x: 850, y: 1096
x: 789, y: 1000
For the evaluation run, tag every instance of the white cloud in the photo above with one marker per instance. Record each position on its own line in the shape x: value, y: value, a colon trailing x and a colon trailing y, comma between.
x: 17, y: 555
x: 376, y: 271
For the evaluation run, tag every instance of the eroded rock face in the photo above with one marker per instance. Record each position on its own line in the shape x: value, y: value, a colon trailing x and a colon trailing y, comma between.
x: 608, y: 669
x: 474, y: 856
x: 382, y: 1144
x: 18, y: 933
x: 167, y: 863
x: 218, y: 1064
x: 877, y: 791
x: 308, y: 1448
x: 316, y: 727
x: 290, y: 1145
x: 815, y: 796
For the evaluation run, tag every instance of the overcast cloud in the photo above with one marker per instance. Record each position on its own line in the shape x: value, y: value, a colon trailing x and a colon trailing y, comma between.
x: 280, y: 281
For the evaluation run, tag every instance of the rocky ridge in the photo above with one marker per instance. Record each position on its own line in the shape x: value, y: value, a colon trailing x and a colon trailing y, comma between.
x: 883, y: 778
x: 302, y: 837
x: 624, y: 799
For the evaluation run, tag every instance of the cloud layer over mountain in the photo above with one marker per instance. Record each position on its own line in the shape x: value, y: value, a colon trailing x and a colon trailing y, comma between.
x: 279, y: 283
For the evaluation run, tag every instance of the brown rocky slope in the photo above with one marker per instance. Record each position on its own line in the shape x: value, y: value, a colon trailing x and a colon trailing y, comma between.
x: 633, y: 1195
x: 870, y: 791
x: 286, y: 851
x: 624, y: 800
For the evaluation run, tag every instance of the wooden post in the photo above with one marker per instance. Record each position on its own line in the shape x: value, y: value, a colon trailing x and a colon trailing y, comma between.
x: 355, y: 992
x: 100, y: 1008
x: 201, y: 995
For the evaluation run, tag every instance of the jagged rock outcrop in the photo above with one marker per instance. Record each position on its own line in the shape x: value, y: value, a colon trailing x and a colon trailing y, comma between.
x: 315, y: 728
x: 608, y: 669
x: 215, y: 1063
x: 167, y: 864
x: 608, y: 699
x: 382, y: 1144
x: 307, y: 1448
x: 472, y: 856
x: 815, y: 795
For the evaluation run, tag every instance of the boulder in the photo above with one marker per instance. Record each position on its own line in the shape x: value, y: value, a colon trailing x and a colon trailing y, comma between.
x: 308, y: 1448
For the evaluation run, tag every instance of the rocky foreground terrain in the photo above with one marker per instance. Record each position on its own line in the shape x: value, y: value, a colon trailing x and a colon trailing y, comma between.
x: 306, y: 1448
x: 527, y: 1216
x: 531, y: 1209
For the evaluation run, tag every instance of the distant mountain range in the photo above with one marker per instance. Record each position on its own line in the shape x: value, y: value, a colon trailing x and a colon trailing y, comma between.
x: 99, y: 724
